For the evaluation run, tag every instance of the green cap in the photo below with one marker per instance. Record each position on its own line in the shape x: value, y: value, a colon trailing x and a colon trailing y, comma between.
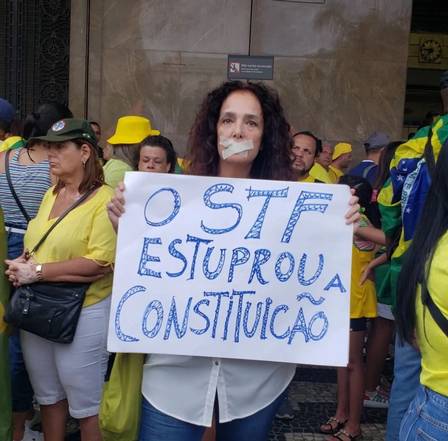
x: 68, y: 129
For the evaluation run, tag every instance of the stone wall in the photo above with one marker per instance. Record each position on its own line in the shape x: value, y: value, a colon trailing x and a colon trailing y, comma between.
x: 340, y: 65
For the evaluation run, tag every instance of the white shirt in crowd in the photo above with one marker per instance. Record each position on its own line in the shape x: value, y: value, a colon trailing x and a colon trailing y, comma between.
x: 185, y: 387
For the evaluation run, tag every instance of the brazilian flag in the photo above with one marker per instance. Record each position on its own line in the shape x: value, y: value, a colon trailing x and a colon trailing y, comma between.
x: 5, y: 386
x: 403, y: 196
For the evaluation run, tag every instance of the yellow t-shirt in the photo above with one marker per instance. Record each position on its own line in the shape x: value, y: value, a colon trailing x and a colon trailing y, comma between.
x: 318, y: 172
x: 84, y: 232
x: 309, y: 178
x: 362, y: 297
x: 433, y: 343
x: 334, y: 174
x: 114, y: 171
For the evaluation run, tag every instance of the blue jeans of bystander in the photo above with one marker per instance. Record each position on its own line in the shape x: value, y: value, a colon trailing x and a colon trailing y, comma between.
x: 426, y: 418
x: 404, y: 387
x: 22, y: 392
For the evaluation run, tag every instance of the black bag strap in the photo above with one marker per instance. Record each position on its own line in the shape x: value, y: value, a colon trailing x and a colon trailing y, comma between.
x: 11, y: 188
x: 59, y: 219
x: 436, y: 313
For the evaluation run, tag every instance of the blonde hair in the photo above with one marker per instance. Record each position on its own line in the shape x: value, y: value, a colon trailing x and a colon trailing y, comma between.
x: 128, y: 153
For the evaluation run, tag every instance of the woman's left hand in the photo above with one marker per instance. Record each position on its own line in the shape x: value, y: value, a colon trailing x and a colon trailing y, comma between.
x: 353, y: 215
x: 21, y: 273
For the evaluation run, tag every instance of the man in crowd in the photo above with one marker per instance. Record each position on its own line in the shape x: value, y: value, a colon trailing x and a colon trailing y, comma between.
x: 304, y: 151
x: 342, y: 158
x: 96, y: 129
x: 6, y: 117
x: 8, y: 140
x: 368, y: 168
x: 321, y: 166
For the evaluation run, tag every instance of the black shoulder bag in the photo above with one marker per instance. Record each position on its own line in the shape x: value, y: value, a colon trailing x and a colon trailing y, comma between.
x: 436, y: 313
x: 49, y: 309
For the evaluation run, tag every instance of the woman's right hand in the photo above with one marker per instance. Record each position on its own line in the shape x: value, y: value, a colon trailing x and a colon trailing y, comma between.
x: 115, y: 208
x: 367, y: 274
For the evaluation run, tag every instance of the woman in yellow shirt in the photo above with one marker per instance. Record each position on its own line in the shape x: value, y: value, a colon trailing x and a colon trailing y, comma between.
x: 122, y: 150
x: 81, y: 248
x: 422, y: 311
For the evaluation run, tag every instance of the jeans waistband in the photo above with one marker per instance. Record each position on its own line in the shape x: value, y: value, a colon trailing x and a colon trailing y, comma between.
x: 14, y: 228
x: 440, y: 400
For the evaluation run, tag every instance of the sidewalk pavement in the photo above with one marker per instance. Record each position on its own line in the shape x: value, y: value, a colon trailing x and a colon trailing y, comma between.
x: 312, y: 395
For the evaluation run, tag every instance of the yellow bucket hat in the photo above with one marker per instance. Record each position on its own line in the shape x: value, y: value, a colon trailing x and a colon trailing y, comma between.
x: 132, y: 130
x: 341, y: 148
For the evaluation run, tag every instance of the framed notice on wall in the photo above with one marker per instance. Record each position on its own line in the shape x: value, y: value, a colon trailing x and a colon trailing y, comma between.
x: 247, y: 67
x: 303, y: 1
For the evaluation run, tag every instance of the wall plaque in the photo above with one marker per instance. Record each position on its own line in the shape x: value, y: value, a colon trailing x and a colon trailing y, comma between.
x: 247, y: 67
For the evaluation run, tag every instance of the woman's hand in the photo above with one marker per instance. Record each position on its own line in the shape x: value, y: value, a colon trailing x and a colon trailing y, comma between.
x: 21, y: 273
x: 115, y: 208
x: 368, y: 271
x: 367, y: 274
x: 353, y: 216
x: 23, y: 258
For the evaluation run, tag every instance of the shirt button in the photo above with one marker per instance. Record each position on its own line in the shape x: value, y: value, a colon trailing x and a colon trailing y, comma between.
x: 216, y: 363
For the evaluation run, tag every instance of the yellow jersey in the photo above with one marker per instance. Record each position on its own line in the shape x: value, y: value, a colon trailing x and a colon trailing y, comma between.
x: 334, y: 174
x: 433, y: 343
x: 320, y: 173
x: 114, y: 170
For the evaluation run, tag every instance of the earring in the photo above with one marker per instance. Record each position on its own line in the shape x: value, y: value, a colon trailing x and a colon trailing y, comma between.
x: 83, y: 164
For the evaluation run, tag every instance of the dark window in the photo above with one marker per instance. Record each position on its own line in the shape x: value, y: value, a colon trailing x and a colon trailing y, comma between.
x: 34, y: 52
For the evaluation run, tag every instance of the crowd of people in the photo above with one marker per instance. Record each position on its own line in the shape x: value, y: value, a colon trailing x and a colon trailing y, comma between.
x: 62, y: 194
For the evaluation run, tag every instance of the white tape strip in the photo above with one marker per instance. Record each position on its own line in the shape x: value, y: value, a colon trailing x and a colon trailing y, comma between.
x: 232, y: 147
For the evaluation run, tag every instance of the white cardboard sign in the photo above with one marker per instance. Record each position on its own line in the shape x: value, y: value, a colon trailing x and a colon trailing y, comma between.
x: 232, y: 268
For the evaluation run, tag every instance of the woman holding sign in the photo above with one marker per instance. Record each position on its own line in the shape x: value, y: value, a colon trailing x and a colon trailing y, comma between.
x: 239, y: 132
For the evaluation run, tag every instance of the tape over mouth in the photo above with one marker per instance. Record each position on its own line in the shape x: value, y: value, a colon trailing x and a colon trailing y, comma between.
x: 232, y: 147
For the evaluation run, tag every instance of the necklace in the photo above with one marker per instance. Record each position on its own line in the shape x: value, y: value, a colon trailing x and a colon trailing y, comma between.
x: 73, y: 196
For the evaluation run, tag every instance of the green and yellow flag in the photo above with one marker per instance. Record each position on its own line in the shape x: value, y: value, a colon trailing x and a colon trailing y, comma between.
x: 5, y: 386
x: 402, y: 198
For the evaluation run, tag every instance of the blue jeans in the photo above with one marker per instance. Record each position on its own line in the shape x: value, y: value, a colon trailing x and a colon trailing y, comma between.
x: 404, y: 387
x: 22, y: 392
x: 157, y: 426
x: 426, y: 418
x: 15, y: 245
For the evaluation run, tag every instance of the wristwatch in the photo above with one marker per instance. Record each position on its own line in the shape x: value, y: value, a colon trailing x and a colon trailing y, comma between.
x: 39, y: 268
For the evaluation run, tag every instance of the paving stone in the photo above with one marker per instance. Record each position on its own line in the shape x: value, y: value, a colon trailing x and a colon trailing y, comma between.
x: 313, y: 397
x: 305, y: 392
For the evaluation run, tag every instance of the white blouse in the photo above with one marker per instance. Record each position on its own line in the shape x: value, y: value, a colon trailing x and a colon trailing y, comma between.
x: 185, y: 387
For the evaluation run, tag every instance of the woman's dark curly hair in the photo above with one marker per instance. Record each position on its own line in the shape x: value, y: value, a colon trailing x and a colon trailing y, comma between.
x: 272, y: 162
